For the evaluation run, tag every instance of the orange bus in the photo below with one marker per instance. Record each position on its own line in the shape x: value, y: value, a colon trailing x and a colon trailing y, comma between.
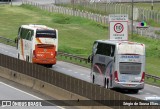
x: 37, y: 44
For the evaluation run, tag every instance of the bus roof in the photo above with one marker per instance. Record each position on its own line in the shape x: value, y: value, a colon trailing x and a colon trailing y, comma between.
x: 35, y: 27
x: 126, y: 47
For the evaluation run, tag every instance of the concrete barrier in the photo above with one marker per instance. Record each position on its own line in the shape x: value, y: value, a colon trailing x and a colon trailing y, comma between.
x: 45, y: 88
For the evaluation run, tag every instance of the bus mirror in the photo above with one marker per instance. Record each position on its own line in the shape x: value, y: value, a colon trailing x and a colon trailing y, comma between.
x: 16, y: 40
x: 90, y: 59
x: 114, y: 59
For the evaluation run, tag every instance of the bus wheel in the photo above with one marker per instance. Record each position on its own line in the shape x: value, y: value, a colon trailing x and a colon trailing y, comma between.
x: 27, y: 58
x: 18, y: 55
x: 106, y: 83
x: 135, y: 91
x: 93, y: 79
x: 49, y: 65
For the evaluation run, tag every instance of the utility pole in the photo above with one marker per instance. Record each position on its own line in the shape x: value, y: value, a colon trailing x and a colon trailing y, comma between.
x: 132, y: 21
x: 152, y: 5
x: 11, y: 2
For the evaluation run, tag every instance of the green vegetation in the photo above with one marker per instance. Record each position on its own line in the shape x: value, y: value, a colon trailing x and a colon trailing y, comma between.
x: 76, y: 35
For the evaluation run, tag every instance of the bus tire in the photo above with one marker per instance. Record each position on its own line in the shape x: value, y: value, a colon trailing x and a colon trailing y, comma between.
x: 49, y: 65
x: 27, y: 58
x: 106, y: 83
x: 135, y: 91
x: 93, y: 79
x: 18, y: 55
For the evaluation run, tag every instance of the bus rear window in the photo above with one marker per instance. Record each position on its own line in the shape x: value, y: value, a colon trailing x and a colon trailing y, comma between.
x: 130, y: 68
x: 46, y: 34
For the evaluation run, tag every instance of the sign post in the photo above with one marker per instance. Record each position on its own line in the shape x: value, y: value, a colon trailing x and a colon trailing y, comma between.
x: 118, y: 26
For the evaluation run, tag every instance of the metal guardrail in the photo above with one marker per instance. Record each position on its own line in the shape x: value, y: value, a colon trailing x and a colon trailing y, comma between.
x: 7, y: 41
x: 155, y: 78
x: 71, y: 56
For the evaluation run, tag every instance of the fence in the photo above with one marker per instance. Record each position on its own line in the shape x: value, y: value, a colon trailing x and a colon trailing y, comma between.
x: 71, y: 84
x: 108, y: 6
x: 103, y: 19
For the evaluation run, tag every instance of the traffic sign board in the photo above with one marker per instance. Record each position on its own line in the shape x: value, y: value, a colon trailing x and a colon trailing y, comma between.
x: 118, y: 26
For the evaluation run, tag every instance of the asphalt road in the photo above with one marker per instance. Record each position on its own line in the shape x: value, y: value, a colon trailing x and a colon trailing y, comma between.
x: 10, y: 90
x: 83, y: 73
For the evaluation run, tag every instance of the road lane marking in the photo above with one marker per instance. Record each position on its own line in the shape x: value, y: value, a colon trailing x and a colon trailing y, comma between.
x: 63, y: 68
x: 81, y: 74
x: 27, y: 93
x: 69, y: 70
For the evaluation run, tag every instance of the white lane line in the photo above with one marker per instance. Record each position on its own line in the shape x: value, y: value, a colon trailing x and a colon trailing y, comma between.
x: 76, y: 72
x: 81, y: 74
x: 63, y: 68
x: 6, y: 51
x: 155, y: 95
x: 69, y: 70
x: 20, y: 91
x: 26, y: 93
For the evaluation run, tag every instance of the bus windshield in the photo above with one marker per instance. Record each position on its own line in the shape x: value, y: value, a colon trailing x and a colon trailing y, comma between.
x: 131, y: 49
x: 46, y: 34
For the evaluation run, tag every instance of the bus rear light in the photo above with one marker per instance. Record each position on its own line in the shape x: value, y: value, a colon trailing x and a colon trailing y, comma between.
x: 143, y: 76
x: 116, y: 76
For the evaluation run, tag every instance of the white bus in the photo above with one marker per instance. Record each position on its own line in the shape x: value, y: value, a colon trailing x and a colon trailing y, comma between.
x: 37, y: 44
x: 118, y: 64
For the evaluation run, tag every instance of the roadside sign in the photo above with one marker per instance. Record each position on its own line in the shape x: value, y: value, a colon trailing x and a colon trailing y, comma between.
x: 118, y: 26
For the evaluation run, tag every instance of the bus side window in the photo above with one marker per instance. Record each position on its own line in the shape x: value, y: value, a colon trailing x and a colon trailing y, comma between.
x: 29, y: 35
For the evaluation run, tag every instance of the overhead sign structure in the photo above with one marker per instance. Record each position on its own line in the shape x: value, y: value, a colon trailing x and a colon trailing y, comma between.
x: 118, y: 26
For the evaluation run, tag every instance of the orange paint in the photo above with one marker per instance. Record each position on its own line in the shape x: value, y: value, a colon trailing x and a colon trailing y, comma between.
x: 38, y: 40
x: 22, y: 49
x: 45, y: 54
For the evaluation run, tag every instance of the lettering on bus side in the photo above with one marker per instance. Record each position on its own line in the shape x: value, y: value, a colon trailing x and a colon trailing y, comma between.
x: 129, y: 56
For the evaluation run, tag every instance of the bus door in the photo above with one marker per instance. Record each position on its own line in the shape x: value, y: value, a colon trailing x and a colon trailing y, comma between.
x: 99, y: 70
x: 109, y: 70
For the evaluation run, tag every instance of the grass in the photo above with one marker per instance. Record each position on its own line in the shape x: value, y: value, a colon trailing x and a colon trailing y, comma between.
x: 76, y: 35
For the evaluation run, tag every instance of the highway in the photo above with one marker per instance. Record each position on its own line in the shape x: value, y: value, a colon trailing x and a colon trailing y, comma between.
x: 13, y: 91
x: 83, y: 73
